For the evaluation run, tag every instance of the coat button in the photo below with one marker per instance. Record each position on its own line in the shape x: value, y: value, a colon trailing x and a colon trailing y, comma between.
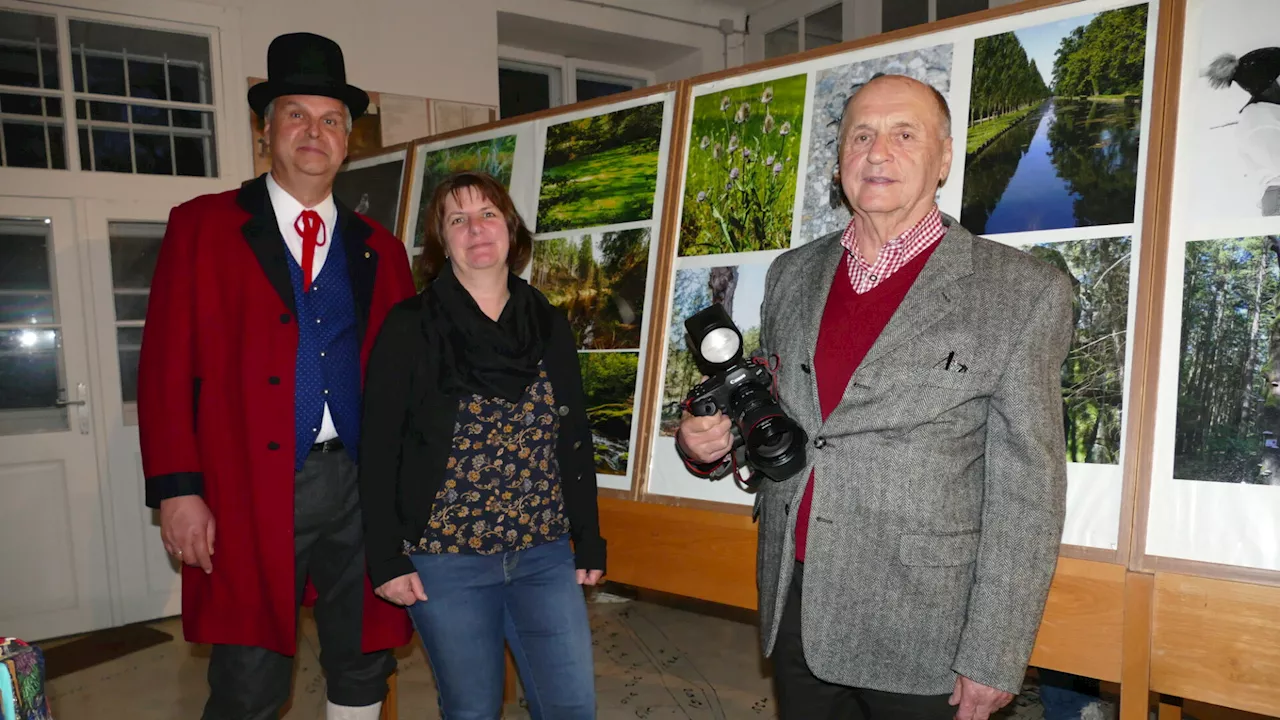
x: 273, y: 445
x: 284, y: 318
x: 577, y: 444
x: 273, y: 380
x: 563, y: 410
x: 805, y: 368
x: 819, y: 442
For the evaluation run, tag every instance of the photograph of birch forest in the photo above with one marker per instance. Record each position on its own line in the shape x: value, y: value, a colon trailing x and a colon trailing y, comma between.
x: 1229, y: 370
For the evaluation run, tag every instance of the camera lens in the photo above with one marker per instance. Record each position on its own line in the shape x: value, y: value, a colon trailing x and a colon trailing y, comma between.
x: 775, y: 444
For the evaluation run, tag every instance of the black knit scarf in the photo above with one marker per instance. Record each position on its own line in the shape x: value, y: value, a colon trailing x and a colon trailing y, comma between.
x: 478, y: 355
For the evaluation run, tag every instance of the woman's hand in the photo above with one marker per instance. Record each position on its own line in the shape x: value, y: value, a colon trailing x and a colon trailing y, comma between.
x: 404, y: 590
x: 587, y: 577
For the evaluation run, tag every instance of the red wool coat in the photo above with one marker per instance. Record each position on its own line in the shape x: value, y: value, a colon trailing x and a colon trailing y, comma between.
x: 216, y: 404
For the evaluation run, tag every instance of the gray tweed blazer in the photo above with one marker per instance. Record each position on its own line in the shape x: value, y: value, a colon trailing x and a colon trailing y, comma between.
x: 940, y: 494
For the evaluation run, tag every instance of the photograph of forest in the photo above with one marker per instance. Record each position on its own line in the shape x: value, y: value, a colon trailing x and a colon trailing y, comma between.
x: 600, y: 170
x: 1229, y: 369
x: 609, y: 381
x: 488, y: 156
x: 740, y: 289
x: 822, y: 212
x: 599, y: 282
x: 740, y: 185
x: 1093, y: 374
x: 1054, y: 116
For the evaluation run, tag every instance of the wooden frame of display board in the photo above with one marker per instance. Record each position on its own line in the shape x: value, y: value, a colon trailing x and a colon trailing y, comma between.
x: 1176, y: 627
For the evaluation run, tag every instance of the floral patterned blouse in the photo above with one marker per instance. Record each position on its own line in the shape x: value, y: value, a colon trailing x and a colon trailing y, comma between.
x: 501, y: 490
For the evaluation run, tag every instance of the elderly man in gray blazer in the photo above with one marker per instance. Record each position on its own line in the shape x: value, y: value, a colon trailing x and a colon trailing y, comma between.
x: 903, y: 573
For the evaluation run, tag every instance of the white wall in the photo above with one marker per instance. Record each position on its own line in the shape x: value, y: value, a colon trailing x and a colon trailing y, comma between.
x: 704, y: 37
x: 425, y: 48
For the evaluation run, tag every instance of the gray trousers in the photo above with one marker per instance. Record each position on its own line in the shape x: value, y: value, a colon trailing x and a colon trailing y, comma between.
x: 253, y: 683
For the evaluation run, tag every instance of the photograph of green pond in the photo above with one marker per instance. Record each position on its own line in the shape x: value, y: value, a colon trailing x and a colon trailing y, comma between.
x: 1093, y: 374
x: 488, y: 156
x: 1054, y: 124
x: 740, y: 289
x: 600, y: 170
x: 609, y: 381
x: 599, y: 282
x: 743, y: 157
x: 1228, y: 423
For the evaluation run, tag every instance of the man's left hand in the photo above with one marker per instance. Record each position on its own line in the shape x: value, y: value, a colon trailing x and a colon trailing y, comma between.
x: 589, y: 577
x: 975, y: 701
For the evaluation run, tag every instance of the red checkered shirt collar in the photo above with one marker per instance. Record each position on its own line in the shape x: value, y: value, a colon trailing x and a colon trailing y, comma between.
x: 894, y: 254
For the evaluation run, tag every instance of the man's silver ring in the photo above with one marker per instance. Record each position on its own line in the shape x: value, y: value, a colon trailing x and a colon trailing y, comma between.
x: 179, y: 553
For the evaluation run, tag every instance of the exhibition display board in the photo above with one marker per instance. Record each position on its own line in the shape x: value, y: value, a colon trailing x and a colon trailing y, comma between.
x: 1133, y: 145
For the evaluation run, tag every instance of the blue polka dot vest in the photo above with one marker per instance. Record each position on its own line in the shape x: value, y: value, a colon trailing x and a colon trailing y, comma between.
x: 328, y: 367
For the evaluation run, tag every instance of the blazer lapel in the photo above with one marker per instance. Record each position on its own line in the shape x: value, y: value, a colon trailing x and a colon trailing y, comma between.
x: 931, y: 296
x: 263, y: 235
x: 816, y: 288
x: 362, y: 261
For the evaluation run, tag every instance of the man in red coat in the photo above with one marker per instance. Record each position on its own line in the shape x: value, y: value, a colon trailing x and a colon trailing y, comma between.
x: 264, y: 307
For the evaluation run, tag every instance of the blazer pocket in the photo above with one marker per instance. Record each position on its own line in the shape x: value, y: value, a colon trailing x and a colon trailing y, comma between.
x: 939, y: 550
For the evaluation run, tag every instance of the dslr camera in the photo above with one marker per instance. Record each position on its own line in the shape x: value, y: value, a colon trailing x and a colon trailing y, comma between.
x: 745, y: 391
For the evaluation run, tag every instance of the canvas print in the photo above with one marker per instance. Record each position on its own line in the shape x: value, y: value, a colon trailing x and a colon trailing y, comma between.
x: 598, y: 280
x: 372, y: 188
x: 1229, y: 371
x: 1232, y: 101
x: 1093, y: 374
x: 600, y: 170
x: 823, y: 213
x: 1054, y: 115
x: 488, y: 156
x: 740, y: 289
x: 740, y: 185
x: 609, y: 381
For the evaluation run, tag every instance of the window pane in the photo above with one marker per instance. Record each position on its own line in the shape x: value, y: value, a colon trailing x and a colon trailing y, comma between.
x: 103, y: 52
x: 825, y: 27
x: 36, y: 142
x: 898, y: 14
x: 29, y: 368
x: 20, y: 62
x: 589, y: 89
x: 26, y: 287
x: 30, y: 357
x: 152, y: 154
x: 196, y: 157
x: 783, y: 41
x: 105, y: 151
x: 952, y: 8
x: 129, y: 346
x: 522, y: 91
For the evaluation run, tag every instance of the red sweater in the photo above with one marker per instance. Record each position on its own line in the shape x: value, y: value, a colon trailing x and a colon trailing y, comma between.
x: 851, y: 323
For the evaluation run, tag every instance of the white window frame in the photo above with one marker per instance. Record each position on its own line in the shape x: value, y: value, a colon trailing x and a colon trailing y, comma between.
x: 228, y: 84
x: 569, y: 68
x: 796, y: 12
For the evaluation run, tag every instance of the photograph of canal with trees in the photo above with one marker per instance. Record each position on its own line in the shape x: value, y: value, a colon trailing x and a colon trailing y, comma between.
x: 1054, y: 117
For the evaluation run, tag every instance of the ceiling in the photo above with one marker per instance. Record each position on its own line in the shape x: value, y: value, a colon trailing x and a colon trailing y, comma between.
x: 584, y: 43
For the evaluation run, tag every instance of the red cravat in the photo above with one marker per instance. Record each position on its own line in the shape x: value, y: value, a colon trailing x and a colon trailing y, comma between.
x: 310, y: 227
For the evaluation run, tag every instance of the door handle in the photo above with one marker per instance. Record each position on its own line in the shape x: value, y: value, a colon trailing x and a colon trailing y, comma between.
x: 64, y: 403
x: 82, y: 404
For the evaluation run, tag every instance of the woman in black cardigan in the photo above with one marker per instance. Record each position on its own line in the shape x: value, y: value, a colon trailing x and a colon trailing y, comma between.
x: 478, y: 469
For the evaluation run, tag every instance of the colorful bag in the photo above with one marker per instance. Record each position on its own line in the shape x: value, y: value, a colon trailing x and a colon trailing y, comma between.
x: 22, y: 682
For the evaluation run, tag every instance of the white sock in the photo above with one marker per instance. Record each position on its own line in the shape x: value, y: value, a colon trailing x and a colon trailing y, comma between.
x: 346, y: 712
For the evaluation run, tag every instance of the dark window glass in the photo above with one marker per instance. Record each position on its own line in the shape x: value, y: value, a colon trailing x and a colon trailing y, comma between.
x: 522, y: 91
x: 953, y: 8
x: 898, y: 14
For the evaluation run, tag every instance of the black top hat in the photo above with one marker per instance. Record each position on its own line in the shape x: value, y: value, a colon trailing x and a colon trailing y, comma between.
x: 306, y: 64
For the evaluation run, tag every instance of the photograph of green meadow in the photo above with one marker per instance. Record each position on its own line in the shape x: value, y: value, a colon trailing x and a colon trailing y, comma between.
x: 1054, y: 117
x: 599, y: 282
x: 609, y: 382
x: 488, y: 156
x: 740, y: 185
x: 600, y: 170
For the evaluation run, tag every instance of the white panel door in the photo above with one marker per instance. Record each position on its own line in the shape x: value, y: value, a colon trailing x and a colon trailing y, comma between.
x: 53, y: 554
x: 124, y: 243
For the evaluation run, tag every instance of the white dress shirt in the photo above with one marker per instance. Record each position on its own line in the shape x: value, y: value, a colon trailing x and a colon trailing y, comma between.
x: 287, y: 210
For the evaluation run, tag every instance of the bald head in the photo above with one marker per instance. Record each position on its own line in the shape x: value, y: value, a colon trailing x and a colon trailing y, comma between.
x: 901, y: 84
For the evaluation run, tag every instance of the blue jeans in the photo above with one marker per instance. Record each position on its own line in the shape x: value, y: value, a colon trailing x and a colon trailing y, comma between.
x: 1065, y: 696
x: 530, y: 598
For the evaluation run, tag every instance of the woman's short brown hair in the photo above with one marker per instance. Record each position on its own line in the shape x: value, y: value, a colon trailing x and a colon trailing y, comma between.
x: 432, y: 259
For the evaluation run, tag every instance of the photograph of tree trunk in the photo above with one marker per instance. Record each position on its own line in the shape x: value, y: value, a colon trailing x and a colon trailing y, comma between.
x: 1229, y: 373
x: 599, y: 282
x: 600, y: 170
x: 740, y: 289
x: 744, y: 155
x: 1054, y: 116
x: 1093, y: 374
x: 609, y: 381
